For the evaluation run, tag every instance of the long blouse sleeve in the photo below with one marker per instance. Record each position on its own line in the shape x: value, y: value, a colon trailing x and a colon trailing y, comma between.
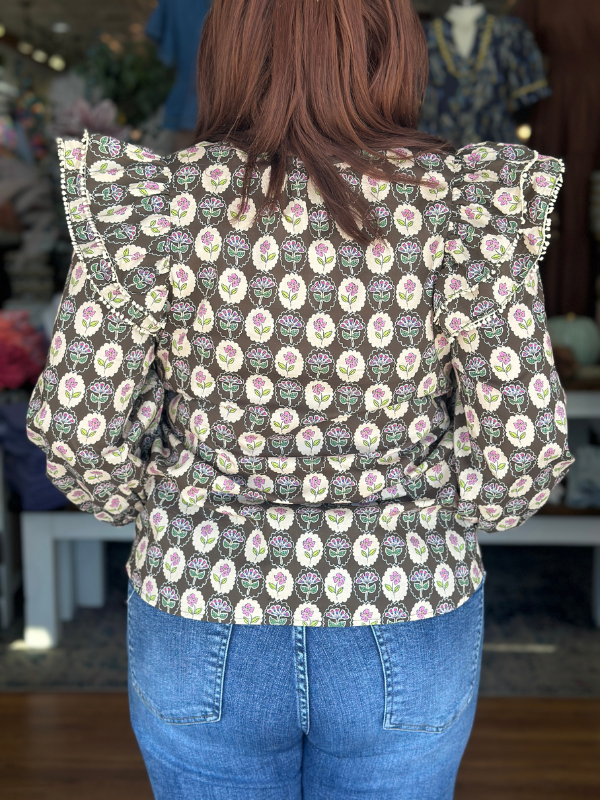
x: 510, y: 425
x: 97, y: 406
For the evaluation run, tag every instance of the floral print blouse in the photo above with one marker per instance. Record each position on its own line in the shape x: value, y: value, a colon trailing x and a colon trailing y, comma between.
x: 305, y: 431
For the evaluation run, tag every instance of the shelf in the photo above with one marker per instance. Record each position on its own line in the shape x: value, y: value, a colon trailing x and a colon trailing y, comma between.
x: 583, y: 404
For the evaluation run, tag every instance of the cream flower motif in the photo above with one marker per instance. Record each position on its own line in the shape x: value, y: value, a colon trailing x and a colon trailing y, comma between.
x: 248, y: 612
x: 279, y: 583
x: 456, y: 545
x: 208, y: 244
x: 350, y: 366
x: 240, y: 216
x: 106, y: 171
x: 540, y: 391
x: 108, y: 360
x: 352, y: 295
x: 433, y: 186
x: 505, y: 363
x: 320, y: 330
x: 443, y: 580
x: 259, y: 389
x: 265, y: 253
x: 521, y: 321
x: 489, y: 396
x: 149, y: 590
x: 496, y: 248
x: 508, y: 201
x: 408, y: 362
x: 71, y: 390
x: 233, y: 285
x: 409, y: 292
x: 260, y: 325
x: 173, y: 564
x: 417, y: 548
x: 374, y: 189
x: 469, y: 481
x: 476, y: 215
x: 422, y: 609
x: 365, y: 549
x: 372, y: 481
x: 284, y: 420
x: 202, y: 383
x: 321, y: 256
x: 205, y: 536
x: 130, y: 256
x: 230, y: 356
x: 309, y: 441
x: 216, y: 178
x: 521, y: 486
x: 156, y: 226
x: 91, y: 429
x: 496, y: 461
x: 192, y: 605
x: 394, y: 584
x: 544, y: 183
x: 419, y: 428
x: 380, y: 330
x: 289, y: 362
x: 456, y: 249
x: 378, y: 396
x: 222, y: 576
x: 338, y: 585
x: 533, y: 238
x: 318, y: 395
x: 380, y: 257
x: 307, y: 615
x: 408, y: 220
x: 251, y: 444
x: 433, y: 252
x: 315, y: 488
x: 205, y: 318
x: 295, y: 217
x: 292, y: 292
x: 199, y: 424
x: 182, y: 210
x: 366, y: 438
x: 191, y: 154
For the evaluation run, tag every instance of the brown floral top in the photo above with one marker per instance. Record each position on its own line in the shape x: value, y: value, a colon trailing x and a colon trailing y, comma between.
x: 305, y: 431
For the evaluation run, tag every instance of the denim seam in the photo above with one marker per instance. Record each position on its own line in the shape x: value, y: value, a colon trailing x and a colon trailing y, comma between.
x: 301, y: 665
x: 191, y: 720
x: 388, y: 684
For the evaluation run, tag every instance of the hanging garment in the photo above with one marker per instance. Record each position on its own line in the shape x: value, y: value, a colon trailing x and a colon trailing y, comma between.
x: 176, y: 26
x: 473, y: 99
x: 568, y: 125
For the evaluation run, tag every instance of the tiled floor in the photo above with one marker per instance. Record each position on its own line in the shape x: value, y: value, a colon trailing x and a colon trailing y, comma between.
x: 534, y: 595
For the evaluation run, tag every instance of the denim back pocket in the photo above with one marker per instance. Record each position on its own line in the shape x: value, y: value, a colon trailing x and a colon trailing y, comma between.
x: 176, y: 665
x: 430, y: 667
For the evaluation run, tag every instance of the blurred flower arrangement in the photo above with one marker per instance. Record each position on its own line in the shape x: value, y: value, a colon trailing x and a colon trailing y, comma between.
x: 22, y: 350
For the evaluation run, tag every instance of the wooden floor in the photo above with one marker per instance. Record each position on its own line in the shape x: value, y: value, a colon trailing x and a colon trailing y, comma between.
x: 80, y: 747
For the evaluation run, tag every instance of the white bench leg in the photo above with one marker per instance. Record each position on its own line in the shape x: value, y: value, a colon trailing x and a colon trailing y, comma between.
x: 42, y: 625
x: 90, y: 589
x: 65, y: 571
x: 596, y: 587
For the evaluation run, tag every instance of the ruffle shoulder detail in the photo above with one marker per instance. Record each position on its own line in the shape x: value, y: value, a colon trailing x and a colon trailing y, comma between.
x: 502, y: 197
x: 116, y: 197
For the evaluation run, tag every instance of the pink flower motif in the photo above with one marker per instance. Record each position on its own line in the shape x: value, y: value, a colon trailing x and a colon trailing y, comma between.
x: 352, y: 289
x: 339, y: 579
x: 351, y: 362
x: 309, y: 543
x: 492, y: 245
x: 314, y: 482
x: 290, y: 358
x: 265, y: 247
x: 229, y: 351
x: 248, y: 610
x: 256, y: 540
x: 421, y: 612
x: 366, y: 616
x: 366, y: 543
x: 175, y: 559
x: 379, y: 324
x: 433, y: 247
x: 94, y: 424
x: 408, y: 215
x: 321, y: 250
x: 297, y: 210
x: 378, y: 250
x: 216, y: 173
x: 378, y: 394
x: 71, y: 384
x: 520, y: 425
x: 224, y: 569
x: 183, y: 203
x: 258, y: 383
x: 234, y: 280
x: 280, y: 579
x: 207, y: 238
x: 293, y: 285
x: 320, y: 324
x: 504, y: 358
x: 306, y: 614
x: 259, y: 319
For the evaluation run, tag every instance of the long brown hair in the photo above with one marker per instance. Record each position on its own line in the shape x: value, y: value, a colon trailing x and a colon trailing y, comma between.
x: 323, y: 80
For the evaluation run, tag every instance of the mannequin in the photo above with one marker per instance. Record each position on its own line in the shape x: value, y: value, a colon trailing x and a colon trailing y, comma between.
x: 484, y: 70
x: 463, y: 19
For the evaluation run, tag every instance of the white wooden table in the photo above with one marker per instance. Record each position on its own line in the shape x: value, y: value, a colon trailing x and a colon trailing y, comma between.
x: 63, y: 567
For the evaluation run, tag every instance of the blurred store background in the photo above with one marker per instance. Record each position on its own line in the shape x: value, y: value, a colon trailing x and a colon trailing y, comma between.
x: 526, y: 73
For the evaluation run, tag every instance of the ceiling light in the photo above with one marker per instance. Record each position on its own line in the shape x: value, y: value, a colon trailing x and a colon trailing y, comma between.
x: 60, y: 27
x: 25, y: 47
x: 57, y: 62
x: 39, y: 56
x: 2, y: 30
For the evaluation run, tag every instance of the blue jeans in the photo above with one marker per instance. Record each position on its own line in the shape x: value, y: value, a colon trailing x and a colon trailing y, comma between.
x: 262, y: 712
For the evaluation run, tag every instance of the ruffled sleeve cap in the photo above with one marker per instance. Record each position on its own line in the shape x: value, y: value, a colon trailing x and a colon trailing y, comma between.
x: 117, y: 200
x: 502, y: 197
